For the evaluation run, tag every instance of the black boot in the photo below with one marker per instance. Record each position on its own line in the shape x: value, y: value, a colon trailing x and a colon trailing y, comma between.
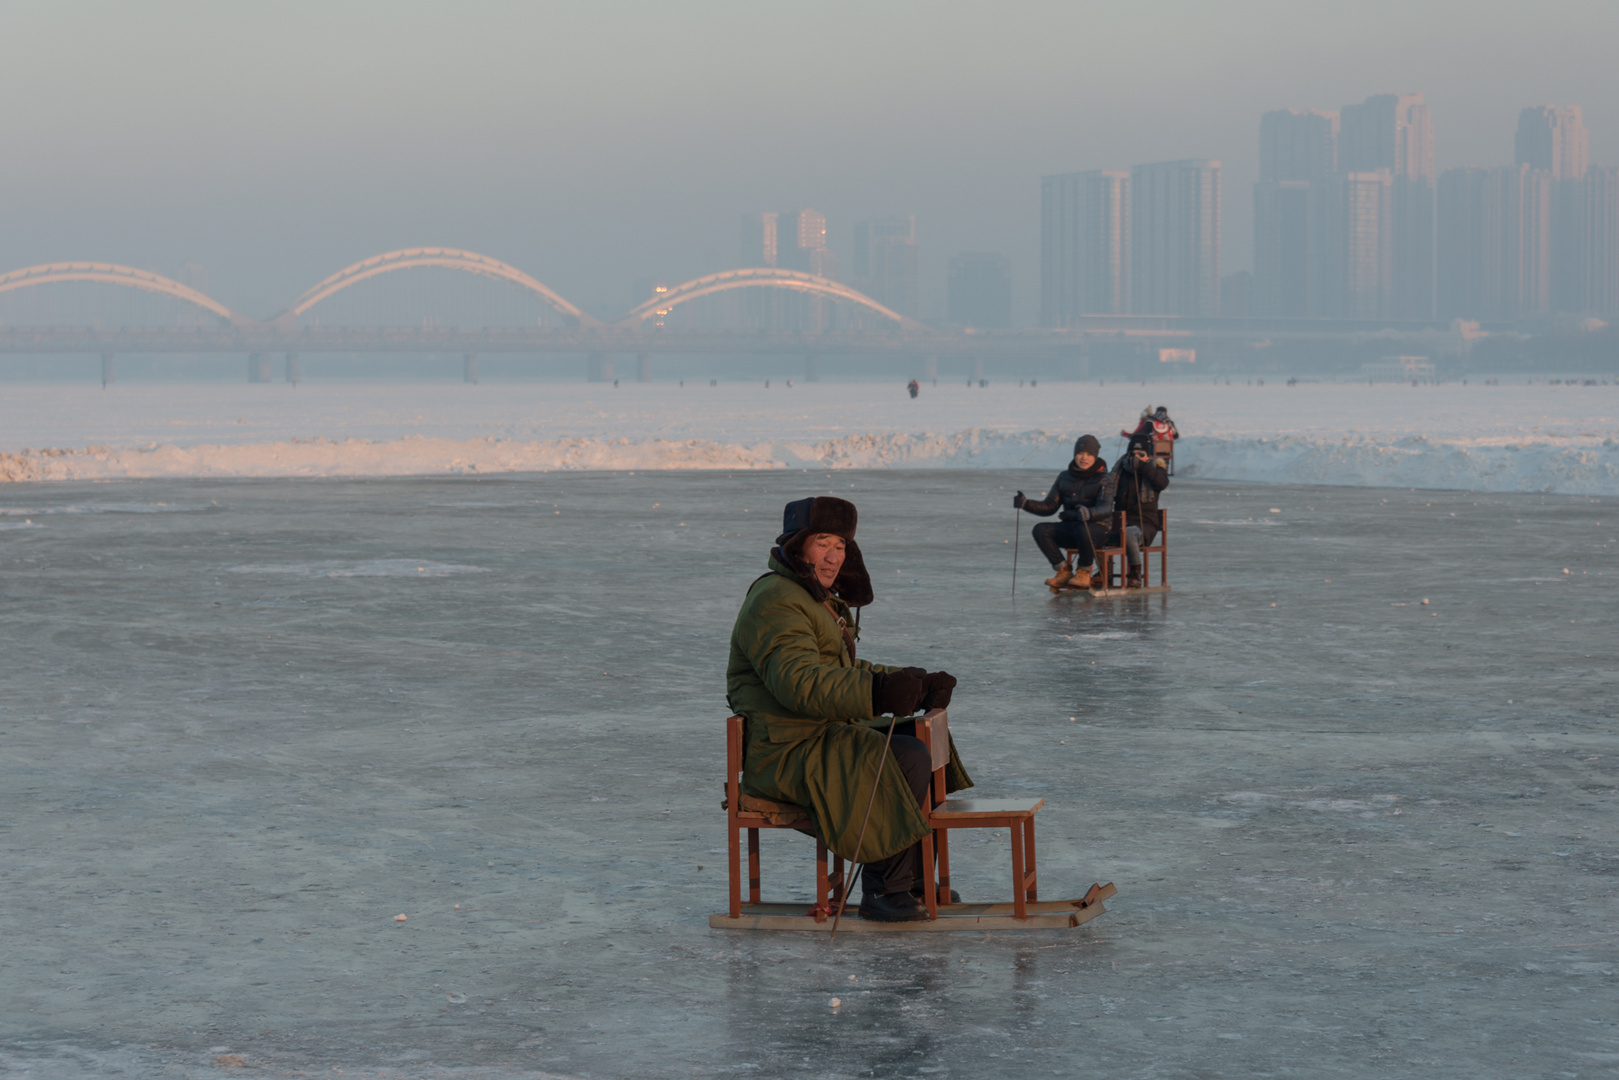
x: 917, y: 890
x: 892, y: 907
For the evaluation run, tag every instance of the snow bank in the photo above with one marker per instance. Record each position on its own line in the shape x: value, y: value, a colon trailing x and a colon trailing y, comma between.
x: 1560, y: 439
x: 1417, y: 461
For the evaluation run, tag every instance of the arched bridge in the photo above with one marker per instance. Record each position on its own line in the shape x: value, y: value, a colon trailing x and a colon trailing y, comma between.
x: 443, y: 258
x: 762, y: 277
x: 628, y: 334
x: 113, y: 274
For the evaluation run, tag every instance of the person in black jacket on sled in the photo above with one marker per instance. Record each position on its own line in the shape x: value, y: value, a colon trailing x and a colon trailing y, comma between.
x: 1137, y: 480
x: 1084, y: 493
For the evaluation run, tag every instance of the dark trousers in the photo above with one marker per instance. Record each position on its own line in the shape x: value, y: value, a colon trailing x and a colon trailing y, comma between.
x: 897, y: 872
x: 1053, y: 536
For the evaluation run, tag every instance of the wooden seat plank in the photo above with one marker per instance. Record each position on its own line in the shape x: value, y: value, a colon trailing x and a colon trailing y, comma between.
x: 958, y: 809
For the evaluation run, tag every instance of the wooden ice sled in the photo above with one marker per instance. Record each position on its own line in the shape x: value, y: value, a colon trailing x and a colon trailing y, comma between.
x: 1113, y: 573
x: 1026, y: 911
x: 1042, y: 915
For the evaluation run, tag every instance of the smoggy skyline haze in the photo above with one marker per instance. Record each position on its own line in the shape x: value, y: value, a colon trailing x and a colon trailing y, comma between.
x: 594, y: 143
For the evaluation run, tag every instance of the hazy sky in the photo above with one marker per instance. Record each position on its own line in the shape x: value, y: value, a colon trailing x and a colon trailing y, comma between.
x: 594, y: 143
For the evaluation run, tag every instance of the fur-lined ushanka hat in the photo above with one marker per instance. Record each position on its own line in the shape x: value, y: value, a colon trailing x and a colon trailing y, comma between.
x: 805, y: 518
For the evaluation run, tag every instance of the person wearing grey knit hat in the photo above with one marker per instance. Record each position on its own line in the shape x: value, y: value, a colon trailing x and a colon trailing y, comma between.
x: 1083, y: 493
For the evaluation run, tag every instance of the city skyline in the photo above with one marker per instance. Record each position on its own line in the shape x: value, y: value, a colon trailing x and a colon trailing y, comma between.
x: 598, y: 144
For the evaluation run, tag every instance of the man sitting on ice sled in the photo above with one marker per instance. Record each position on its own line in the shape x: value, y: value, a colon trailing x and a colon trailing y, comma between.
x: 814, y: 735
x: 1084, y: 492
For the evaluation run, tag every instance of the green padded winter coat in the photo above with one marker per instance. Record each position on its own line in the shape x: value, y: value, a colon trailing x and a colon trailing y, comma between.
x: 810, y: 736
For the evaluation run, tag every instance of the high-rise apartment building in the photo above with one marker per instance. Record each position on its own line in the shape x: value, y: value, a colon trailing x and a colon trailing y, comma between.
x: 1598, y: 253
x: 1175, y: 238
x: 1284, y: 248
x: 758, y: 240
x: 1495, y: 242
x: 887, y: 266
x: 1553, y: 138
x: 1298, y: 150
x: 801, y: 243
x: 1352, y: 220
x: 980, y: 290
x: 793, y: 241
x: 1084, y: 246
x: 1297, y: 144
x: 1394, y: 132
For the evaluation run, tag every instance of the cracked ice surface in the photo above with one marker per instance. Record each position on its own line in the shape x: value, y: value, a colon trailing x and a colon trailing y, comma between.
x: 1353, y: 833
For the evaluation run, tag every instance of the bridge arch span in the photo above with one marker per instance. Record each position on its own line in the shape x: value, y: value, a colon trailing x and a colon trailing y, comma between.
x: 763, y: 277
x: 443, y: 258
x: 113, y: 274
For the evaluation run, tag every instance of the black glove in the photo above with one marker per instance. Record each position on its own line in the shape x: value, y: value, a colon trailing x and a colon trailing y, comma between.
x: 1018, y: 500
x: 897, y: 692
x: 936, y: 690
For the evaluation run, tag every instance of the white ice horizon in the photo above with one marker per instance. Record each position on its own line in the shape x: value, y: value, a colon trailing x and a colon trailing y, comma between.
x: 1560, y: 439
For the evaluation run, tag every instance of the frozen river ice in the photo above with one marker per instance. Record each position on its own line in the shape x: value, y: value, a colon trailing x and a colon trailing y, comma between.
x: 1355, y: 779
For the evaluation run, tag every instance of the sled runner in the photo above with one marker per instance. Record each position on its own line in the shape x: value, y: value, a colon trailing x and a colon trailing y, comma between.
x: 1112, y: 580
x: 1025, y: 911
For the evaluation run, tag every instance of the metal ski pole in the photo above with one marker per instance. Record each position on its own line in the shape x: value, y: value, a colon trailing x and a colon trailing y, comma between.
x: 1017, y: 529
x: 882, y: 763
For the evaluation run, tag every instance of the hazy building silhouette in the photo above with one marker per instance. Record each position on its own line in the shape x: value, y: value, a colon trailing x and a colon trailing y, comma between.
x: 980, y: 290
x: 758, y: 240
x: 1084, y: 246
x: 801, y: 243
x: 1297, y: 144
x: 1553, y: 138
x: 1237, y: 295
x: 1298, y: 150
x: 1284, y: 248
x: 1495, y: 242
x: 1598, y: 251
x: 1394, y: 132
x: 1352, y: 219
x: 886, y: 263
x: 1175, y: 238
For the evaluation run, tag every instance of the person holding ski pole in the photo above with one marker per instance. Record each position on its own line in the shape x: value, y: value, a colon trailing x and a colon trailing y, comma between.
x: 816, y: 733
x: 1138, y: 478
x: 1084, y: 494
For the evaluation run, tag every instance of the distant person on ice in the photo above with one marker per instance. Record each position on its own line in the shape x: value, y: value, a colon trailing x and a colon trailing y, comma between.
x: 1155, y: 425
x: 914, y: 387
x: 1137, y: 480
x: 1084, y: 494
x: 814, y: 733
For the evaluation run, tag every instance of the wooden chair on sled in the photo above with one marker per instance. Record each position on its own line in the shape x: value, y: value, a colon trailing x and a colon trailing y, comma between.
x: 1165, y: 448
x: 1025, y: 912
x: 1113, y: 577
x: 749, y: 813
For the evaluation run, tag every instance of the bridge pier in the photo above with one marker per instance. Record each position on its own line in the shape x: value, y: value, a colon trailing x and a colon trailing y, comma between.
x: 643, y: 367
x: 812, y: 368
x: 598, y: 368
x: 258, y: 368
x: 292, y: 369
x: 106, y: 369
x: 978, y: 370
x: 469, y: 368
